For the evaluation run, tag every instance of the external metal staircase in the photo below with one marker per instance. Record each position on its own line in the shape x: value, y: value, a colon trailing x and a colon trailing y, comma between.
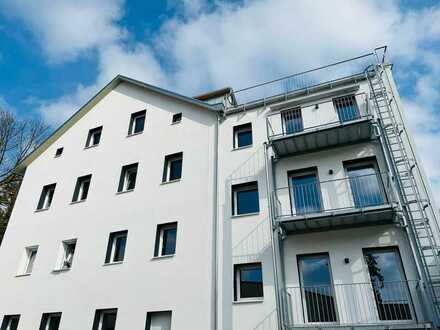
x: 418, y: 213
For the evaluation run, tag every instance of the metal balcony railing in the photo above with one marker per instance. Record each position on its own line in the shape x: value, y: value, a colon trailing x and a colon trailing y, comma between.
x: 321, y: 197
x: 352, y: 304
x: 318, y: 115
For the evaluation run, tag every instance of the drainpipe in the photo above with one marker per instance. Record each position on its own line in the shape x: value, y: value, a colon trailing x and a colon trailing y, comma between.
x: 274, y: 241
x: 214, y: 285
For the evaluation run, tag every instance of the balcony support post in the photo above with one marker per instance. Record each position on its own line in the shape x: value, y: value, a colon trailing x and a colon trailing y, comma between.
x: 275, y: 242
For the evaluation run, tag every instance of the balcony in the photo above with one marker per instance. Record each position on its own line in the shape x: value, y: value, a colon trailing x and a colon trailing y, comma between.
x: 376, y: 305
x: 314, y: 126
x: 310, y: 206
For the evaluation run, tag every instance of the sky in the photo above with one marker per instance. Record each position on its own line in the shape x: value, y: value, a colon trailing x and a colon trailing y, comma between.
x: 55, y: 55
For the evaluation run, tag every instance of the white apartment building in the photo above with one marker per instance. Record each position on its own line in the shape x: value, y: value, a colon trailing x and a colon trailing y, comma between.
x: 297, y: 203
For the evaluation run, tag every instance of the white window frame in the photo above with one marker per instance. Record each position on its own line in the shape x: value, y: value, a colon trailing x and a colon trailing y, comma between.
x: 45, y: 194
x: 91, y: 137
x: 247, y: 187
x: 81, y: 181
x: 133, y: 118
x: 168, y: 161
x: 159, y: 235
x: 237, y: 268
x: 104, y: 312
x: 114, y: 238
x: 125, y: 171
x: 29, y: 254
x: 237, y: 130
x: 64, y: 257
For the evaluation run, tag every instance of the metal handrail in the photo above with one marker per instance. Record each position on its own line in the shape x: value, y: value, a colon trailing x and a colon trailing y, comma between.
x: 276, y: 122
x: 331, y: 73
x: 372, y: 302
x: 348, y: 193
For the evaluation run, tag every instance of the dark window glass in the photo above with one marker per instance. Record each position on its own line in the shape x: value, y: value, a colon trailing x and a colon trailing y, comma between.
x: 105, y: 319
x: 292, y: 121
x: 390, y: 289
x: 249, y: 278
x: 116, y: 246
x: 82, y: 188
x: 166, y: 239
x: 306, y: 194
x: 137, y: 122
x: 46, y: 196
x: 32, y: 255
x: 317, y: 288
x: 173, y: 167
x: 10, y: 322
x: 347, y: 108
x: 365, y: 184
x: 243, y: 135
x: 245, y: 198
x: 50, y: 321
x: 59, y: 152
x: 94, y: 137
x: 158, y: 320
x: 177, y: 118
x: 127, y: 180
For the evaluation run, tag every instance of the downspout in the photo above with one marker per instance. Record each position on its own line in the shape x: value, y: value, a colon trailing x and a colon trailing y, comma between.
x: 214, y: 285
x: 274, y: 241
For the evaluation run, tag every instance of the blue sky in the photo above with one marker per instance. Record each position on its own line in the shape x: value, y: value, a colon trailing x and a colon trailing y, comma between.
x: 54, y: 55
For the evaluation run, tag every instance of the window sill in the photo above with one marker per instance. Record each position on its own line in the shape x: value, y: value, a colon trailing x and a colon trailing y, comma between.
x: 90, y: 147
x: 78, y: 202
x: 134, y: 134
x: 177, y: 122
x: 113, y: 263
x: 171, y: 181
x: 241, y: 148
x: 248, y: 301
x: 168, y: 256
x: 42, y: 210
x: 23, y: 275
x: 57, y: 271
x: 245, y: 215
x: 124, y: 192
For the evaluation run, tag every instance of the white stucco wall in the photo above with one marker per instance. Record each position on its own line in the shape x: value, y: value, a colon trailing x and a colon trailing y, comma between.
x: 140, y: 284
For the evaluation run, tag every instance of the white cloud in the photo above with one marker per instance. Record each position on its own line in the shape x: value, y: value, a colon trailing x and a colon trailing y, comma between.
x: 209, y: 46
x: 66, y: 29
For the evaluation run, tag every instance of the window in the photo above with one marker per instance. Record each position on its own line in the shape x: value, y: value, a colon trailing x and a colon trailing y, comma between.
x: 82, y: 188
x: 347, y: 108
x: 116, y: 247
x: 46, y: 197
x: 389, y: 284
x: 248, y: 281
x: 177, y: 118
x: 317, y: 288
x: 305, y: 192
x: 10, y: 322
x: 242, y: 135
x: 50, y: 321
x: 29, y: 260
x: 245, y: 198
x: 365, y: 183
x: 158, y: 320
x: 66, y: 254
x: 292, y: 121
x: 94, y: 137
x: 105, y: 319
x: 137, y: 122
x: 165, y: 239
x: 127, y: 181
x: 59, y: 152
x: 173, y: 167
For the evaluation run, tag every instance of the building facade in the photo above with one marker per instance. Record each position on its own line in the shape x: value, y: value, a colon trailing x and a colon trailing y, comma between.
x: 300, y: 203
